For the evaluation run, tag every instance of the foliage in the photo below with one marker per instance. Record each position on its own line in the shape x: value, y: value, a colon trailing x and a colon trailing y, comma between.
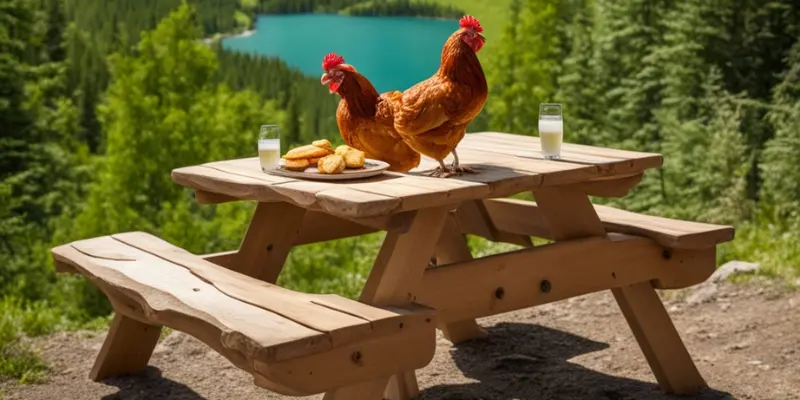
x: 101, y: 100
x: 402, y: 7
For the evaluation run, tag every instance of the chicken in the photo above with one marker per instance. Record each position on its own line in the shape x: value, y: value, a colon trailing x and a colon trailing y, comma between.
x: 364, y: 117
x: 433, y: 115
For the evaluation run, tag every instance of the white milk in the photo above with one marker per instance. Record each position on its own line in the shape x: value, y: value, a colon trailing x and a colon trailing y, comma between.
x: 269, y: 153
x: 551, y: 135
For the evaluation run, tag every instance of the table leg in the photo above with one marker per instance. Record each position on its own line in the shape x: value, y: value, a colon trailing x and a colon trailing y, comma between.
x: 269, y: 238
x: 452, y: 247
x: 570, y: 215
x: 126, y: 349
x: 396, y: 276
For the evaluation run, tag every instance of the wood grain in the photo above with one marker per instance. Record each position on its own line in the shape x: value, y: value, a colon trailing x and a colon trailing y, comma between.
x: 506, y: 164
x: 255, y: 318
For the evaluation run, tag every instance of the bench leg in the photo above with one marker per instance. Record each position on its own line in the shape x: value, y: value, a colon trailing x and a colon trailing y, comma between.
x: 127, y: 348
x: 452, y: 247
x: 372, y: 390
x: 269, y: 238
x: 659, y: 340
x: 396, y: 276
x: 570, y: 215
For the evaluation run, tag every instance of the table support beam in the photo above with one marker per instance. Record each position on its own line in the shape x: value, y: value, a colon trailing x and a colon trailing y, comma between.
x: 525, y: 278
x: 453, y: 248
x: 269, y: 238
x: 569, y: 214
x: 396, y: 275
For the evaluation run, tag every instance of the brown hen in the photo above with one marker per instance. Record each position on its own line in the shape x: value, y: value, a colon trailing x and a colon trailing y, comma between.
x: 433, y: 115
x: 365, y: 118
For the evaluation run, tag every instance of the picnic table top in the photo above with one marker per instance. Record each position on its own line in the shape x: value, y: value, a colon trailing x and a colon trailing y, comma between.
x: 506, y: 164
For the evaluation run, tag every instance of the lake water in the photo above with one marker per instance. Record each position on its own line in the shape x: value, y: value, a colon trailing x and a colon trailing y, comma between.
x: 394, y: 53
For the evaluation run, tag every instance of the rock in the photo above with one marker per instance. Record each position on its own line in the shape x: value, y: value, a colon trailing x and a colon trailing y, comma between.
x: 702, y: 293
x: 733, y: 268
x: 754, y: 362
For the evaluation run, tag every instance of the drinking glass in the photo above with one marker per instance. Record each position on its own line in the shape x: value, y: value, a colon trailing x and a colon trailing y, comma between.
x: 551, y: 130
x: 269, y: 147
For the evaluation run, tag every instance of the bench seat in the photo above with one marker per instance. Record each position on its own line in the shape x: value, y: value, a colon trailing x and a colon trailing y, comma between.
x: 523, y: 217
x: 292, y: 343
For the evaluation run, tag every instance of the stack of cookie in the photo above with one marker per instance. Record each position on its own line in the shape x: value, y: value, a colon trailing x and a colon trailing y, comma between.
x: 327, y: 160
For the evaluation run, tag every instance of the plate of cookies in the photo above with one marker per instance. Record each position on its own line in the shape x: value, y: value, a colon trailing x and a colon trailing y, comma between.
x: 319, y: 160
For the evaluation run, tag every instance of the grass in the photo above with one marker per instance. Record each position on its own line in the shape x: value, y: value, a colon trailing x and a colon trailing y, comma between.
x: 20, y: 320
x: 773, y: 246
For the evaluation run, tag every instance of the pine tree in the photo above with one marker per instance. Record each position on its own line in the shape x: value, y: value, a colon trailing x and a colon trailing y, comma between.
x: 780, y: 192
x: 529, y: 66
x: 577, y: 90
x: 163, y: 110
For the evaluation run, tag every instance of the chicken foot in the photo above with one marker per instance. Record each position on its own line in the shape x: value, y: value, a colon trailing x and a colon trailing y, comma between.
x: 459, y: 168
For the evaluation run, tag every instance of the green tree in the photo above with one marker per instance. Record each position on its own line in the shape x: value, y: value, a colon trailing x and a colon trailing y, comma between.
x: 781, y: 157
x: 165, y: 110
x: 528, y: 66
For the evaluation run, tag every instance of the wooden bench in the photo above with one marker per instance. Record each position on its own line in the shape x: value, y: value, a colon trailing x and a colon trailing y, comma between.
x: 292, y: 343
x: 521, y: 217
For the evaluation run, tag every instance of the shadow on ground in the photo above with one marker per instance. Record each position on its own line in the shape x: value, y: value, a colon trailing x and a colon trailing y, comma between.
x: 527, y: 362
x: 149, y: 385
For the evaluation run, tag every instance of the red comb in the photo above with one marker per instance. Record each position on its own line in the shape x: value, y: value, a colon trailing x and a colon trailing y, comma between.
x: 468, y: 21
x: 332, y: 60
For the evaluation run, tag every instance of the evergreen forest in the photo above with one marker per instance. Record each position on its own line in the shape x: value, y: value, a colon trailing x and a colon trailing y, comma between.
x: 100, y: 100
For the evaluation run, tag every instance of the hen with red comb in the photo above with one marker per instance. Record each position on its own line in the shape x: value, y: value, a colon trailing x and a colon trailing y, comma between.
x: 468, y: 21
x: 332, y: 60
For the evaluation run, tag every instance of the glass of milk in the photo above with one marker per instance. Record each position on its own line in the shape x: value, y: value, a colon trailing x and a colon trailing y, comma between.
x: 269, y: 147
x: 551, y: 130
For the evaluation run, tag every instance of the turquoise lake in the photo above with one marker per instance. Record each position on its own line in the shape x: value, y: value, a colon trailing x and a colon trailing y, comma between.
x: 394, y: 53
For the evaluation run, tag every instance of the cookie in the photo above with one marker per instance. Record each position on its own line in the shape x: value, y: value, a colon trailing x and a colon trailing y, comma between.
x: 324, y: 143
x: 343, y: 149
x: 354, y: 158
x: 332, y: 164
x: 296, y: 165
x: 307, y: 151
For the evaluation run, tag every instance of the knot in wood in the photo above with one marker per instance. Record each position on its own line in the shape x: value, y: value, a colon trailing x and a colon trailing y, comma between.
x: 356, y: 357
x: 499, y: 293
x: 545, y: 286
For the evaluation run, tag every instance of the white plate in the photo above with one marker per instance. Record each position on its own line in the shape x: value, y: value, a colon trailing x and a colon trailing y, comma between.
x: 371, y: 168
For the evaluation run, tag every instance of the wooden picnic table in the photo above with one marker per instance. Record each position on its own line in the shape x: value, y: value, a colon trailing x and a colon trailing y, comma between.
x: 426, y: 217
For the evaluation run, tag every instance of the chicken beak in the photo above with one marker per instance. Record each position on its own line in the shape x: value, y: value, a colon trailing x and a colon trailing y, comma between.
x: 482, y: 36
x: 325, y: 79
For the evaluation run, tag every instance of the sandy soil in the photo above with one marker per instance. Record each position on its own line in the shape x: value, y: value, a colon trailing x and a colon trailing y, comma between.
x: 744, y: 338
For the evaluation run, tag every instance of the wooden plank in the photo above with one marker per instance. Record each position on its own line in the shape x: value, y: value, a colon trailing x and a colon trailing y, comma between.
x: 553, y: 172
x: 525, y: 218
x: 501, y: 180
x: 511, y: 281
x: 177, y: 298
x: 414, y: 192
x: 528, y: 147
x: 645, y: 159
x: 241, y: 187
x: 342, y: 323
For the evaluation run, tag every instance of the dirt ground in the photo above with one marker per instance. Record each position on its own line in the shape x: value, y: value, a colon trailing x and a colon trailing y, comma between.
x: 744, y: 338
